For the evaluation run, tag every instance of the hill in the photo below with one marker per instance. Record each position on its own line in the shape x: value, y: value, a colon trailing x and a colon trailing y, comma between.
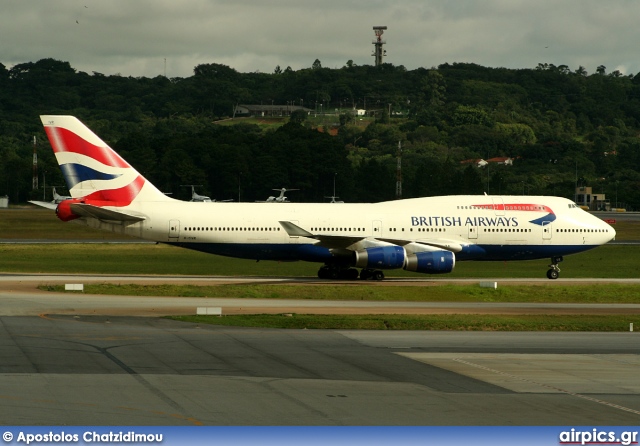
x: 561, y: 127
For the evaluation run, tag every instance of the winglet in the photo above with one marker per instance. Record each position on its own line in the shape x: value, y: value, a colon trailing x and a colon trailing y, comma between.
x: 294, y: 230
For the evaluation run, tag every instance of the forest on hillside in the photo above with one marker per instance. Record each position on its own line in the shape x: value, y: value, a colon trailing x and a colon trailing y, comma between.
x: 562, y: 127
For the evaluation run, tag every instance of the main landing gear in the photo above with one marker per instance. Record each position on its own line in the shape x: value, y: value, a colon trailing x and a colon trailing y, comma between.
x: 335, y: 272
x: 373, y: 274
x: 554, y: 271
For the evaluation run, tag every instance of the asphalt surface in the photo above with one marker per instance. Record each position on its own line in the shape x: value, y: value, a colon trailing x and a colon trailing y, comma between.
x: 85, y: 360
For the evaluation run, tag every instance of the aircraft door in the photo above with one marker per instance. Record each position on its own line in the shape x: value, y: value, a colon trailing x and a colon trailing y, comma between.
x: 498, y: 206
x: 174, y: 230
x: 376, y: 227
x: 546, y: 230
x: 472, y: 232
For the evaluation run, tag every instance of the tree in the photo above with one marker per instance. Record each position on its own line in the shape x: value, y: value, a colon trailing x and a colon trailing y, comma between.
x: 581, y: 71
x: 298, y: 116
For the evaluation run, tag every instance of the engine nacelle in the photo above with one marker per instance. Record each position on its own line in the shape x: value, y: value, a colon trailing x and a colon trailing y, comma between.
x: 435, y: 262
x: 64, y: 212
x: 381, y: 257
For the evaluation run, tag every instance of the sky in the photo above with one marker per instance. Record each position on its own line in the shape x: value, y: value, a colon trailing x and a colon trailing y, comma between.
x: 170, y: 37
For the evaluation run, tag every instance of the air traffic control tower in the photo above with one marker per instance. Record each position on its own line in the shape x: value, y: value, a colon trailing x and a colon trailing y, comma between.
x: 378, y: 52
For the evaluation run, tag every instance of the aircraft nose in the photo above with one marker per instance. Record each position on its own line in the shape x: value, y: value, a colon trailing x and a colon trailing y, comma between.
x: 609, y: 231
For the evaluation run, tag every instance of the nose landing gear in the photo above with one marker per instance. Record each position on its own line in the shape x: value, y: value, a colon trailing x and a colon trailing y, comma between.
x: 554, y: 271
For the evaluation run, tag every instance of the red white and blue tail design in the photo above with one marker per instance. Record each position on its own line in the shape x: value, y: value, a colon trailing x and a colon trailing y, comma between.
x: 92, y: 170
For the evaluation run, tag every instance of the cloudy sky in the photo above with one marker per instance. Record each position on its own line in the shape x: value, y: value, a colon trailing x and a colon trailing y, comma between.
x: 136, y: 37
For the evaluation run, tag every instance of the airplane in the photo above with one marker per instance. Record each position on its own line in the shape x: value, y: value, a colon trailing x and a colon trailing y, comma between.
x: 195, y: 196
x: 58, y: 198
x: 280, y: 198
x: 424, y: 235
x: 334, y: 199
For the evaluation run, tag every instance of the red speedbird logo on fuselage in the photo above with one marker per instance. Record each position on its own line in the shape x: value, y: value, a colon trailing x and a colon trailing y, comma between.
x: 523, y: 207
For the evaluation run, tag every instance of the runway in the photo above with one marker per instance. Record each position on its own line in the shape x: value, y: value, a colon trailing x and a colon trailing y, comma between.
x: 84, y: 360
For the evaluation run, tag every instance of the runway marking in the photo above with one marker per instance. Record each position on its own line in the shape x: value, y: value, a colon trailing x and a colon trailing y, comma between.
x: 558, y: 389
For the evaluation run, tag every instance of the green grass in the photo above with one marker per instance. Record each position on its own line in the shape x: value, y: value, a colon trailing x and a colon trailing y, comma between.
x: 39, y: 223
x: 422, y: 322
x: 593, y: 293
x: 609, y: 261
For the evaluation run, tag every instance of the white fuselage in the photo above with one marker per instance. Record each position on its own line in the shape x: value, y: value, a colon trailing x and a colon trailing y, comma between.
x: 477, y: 227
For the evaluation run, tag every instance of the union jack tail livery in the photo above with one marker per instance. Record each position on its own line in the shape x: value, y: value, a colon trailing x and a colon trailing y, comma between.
x: 91, y: 168
x: 95, y: 174
x: 425, y: 235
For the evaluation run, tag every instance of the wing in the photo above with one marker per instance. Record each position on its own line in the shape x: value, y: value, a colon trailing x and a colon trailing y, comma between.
x: 345, y: 241
x: 327, y: 241
x: 444, y: 244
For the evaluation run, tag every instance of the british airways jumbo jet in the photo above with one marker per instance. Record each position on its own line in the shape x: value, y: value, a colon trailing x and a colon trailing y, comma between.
x: 424, y: 235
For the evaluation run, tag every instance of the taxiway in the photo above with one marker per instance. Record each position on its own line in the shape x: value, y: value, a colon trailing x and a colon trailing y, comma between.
x: 85, y: 360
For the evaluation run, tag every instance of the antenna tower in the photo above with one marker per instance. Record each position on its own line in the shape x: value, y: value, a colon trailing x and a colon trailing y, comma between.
x: 34, y: 184
x: 399, y: 172
x: 378, y: 52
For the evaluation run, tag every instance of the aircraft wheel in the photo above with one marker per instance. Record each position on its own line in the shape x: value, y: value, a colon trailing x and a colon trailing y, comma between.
x: 365, y: 274
x: 350, y: 274
x: 323, y: 273
x: 378, y: 275
x: 553, y: 274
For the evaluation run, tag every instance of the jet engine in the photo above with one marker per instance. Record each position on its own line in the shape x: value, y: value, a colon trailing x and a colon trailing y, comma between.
x: 381, y: 257
x: 434, y: 262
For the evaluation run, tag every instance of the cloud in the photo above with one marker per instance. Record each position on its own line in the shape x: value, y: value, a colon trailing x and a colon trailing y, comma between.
x: 134, y: 38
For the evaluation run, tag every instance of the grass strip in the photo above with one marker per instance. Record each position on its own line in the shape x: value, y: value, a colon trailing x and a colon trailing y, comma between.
x: 609, y: 261
x: 423, y: 322
x: 593, y: 293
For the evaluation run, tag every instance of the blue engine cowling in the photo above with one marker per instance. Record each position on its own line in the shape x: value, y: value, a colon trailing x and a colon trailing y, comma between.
x: 436, y: 262
x: 381, y: 257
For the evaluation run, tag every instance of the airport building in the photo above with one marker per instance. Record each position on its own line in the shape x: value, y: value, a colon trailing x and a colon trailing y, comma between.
x: 595, y: 202
x: 268, y: 110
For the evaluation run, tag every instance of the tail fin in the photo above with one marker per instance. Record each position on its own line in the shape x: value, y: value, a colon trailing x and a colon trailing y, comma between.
x: 92, y: 169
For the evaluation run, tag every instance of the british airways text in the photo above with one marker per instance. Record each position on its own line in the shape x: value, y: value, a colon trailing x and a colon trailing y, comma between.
x: 511, y: 222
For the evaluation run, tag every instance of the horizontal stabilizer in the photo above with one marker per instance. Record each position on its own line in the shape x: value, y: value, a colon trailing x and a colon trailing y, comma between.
x: 45, y: 204
x: 87, y: 210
